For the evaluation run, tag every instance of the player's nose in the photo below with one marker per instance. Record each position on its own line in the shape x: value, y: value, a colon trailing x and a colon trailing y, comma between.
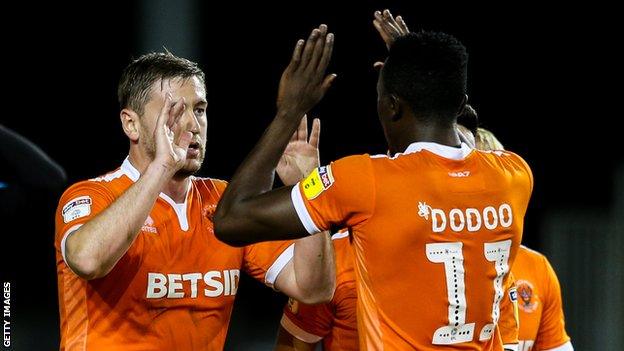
x: 191, y: 121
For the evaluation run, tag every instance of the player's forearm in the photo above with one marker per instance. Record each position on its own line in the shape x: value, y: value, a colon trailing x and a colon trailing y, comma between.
x: 315, y: 268
x: 235, y: 213
x: 93, y: 250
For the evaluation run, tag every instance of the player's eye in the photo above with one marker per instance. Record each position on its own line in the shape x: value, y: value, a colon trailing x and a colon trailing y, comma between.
x: 200, y: 111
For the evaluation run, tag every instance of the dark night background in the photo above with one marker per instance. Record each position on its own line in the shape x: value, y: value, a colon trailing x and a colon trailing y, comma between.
x: 543, y: 79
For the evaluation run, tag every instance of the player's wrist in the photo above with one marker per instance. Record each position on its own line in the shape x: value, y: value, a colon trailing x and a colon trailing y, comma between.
x: 290, y: 113
x: 160, y: 169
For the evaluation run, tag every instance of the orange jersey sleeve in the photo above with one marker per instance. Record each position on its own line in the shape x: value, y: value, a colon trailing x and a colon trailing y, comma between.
x: 551, y: 332
x: 509, y: 323
x: 79, y: 204
x: 338, y: 195
x: 308, y: 323
x: 542, y: 325
x: 334, y: 323
x: 264, y: 261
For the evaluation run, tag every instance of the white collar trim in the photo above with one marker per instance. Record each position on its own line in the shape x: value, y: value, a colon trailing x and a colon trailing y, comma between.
x: 129, y: 170
x: 180, y: 209
x: 445, y: 151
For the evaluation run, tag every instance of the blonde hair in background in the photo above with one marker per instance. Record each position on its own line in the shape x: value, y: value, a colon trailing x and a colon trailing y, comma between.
x: 486, y: 140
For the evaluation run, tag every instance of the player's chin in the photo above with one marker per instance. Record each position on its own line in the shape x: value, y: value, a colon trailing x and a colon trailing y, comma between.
x: 191, y: 166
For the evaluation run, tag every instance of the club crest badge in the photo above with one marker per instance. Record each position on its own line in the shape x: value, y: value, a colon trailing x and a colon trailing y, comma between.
x: 528, y: 299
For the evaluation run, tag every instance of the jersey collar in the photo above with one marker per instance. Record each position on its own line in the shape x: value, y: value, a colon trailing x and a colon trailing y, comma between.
x: 129, y: 170
x: 453, y: 153
x: 180, y: 209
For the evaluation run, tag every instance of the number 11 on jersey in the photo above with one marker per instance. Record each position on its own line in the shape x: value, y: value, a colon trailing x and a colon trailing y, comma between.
x: 451, y: 255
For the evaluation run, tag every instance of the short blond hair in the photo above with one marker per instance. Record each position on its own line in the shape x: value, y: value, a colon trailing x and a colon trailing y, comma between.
x: 486, y: 140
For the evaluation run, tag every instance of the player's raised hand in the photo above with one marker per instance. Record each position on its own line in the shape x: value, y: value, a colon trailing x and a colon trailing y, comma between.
x: 304, y: 83
x: 171, y: 153
x: 301, y: 155
x: 389, y: 27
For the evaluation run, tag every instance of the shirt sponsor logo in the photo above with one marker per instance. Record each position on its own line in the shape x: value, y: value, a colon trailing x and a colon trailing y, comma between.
x: 76, y: 208
x: 148, y: 226
x: 528, y: 301
x: 471, y: 219
x: 317, y: 182
x: 462, y: 174
x: 177, y: 286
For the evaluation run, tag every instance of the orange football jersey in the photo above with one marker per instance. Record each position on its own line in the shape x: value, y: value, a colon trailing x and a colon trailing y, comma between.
x: 173, y: 289
x: 435, y: 230
x: 335, y: 322
x: 542, y: 325
x: 509, y: 322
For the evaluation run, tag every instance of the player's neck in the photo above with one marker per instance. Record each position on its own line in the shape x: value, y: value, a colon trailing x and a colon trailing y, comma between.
x: 444, y: 135
x: 177, y: 189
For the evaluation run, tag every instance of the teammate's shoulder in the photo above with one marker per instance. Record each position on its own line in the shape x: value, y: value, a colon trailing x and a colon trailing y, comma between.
x: 530, y: 252
x: 356, y: 164
x: 354, y: 159
x: 508, y: 161
x: 103, y: 183
x: 535, y: 256
x: 110, y: 177
x: 504, y: 156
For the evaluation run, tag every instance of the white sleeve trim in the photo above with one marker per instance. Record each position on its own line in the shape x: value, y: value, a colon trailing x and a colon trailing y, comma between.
x: 299, y: 333
x: 340, y: 235
x: 302, y: 211
x: 69, y: 231
x: 512, y: 347
x: 565, y: 347
x: 279, y: 264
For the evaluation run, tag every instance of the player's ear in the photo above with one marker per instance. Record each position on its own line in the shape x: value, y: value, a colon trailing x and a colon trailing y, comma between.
x: 130, y: 123
x: 462, y: 105
x: 394, y: 105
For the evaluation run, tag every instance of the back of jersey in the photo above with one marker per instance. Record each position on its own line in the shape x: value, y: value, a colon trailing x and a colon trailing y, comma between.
x: 433, y: 257
x: 434, y: 232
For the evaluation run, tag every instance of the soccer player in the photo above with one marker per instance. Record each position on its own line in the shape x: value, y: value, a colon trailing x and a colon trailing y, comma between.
x: 334, y: 323
x: 542, y: 324
x: 434, y: 228
x: 139, y: 267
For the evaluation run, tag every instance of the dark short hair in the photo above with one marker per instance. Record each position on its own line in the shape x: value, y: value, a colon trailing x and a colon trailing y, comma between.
x: 138, y: 77
x: 429, y: 71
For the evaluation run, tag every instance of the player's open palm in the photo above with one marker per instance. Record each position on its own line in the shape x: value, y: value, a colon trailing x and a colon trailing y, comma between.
x: 171, y: 152
x: 304, y: 83
x: 301, y: 155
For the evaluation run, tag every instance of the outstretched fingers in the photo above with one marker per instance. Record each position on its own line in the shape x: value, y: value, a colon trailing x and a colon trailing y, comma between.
x: 177, y: 111
x: 328, y: 49
x: 315, y: 134
x: 382, y: 31
x: 296, y: 56
x: 302, y: 130
x: 319, y: 46
x: 402, y: 24
x: 163, y: 117
x: 390, y: 21
x: 308, y: 50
